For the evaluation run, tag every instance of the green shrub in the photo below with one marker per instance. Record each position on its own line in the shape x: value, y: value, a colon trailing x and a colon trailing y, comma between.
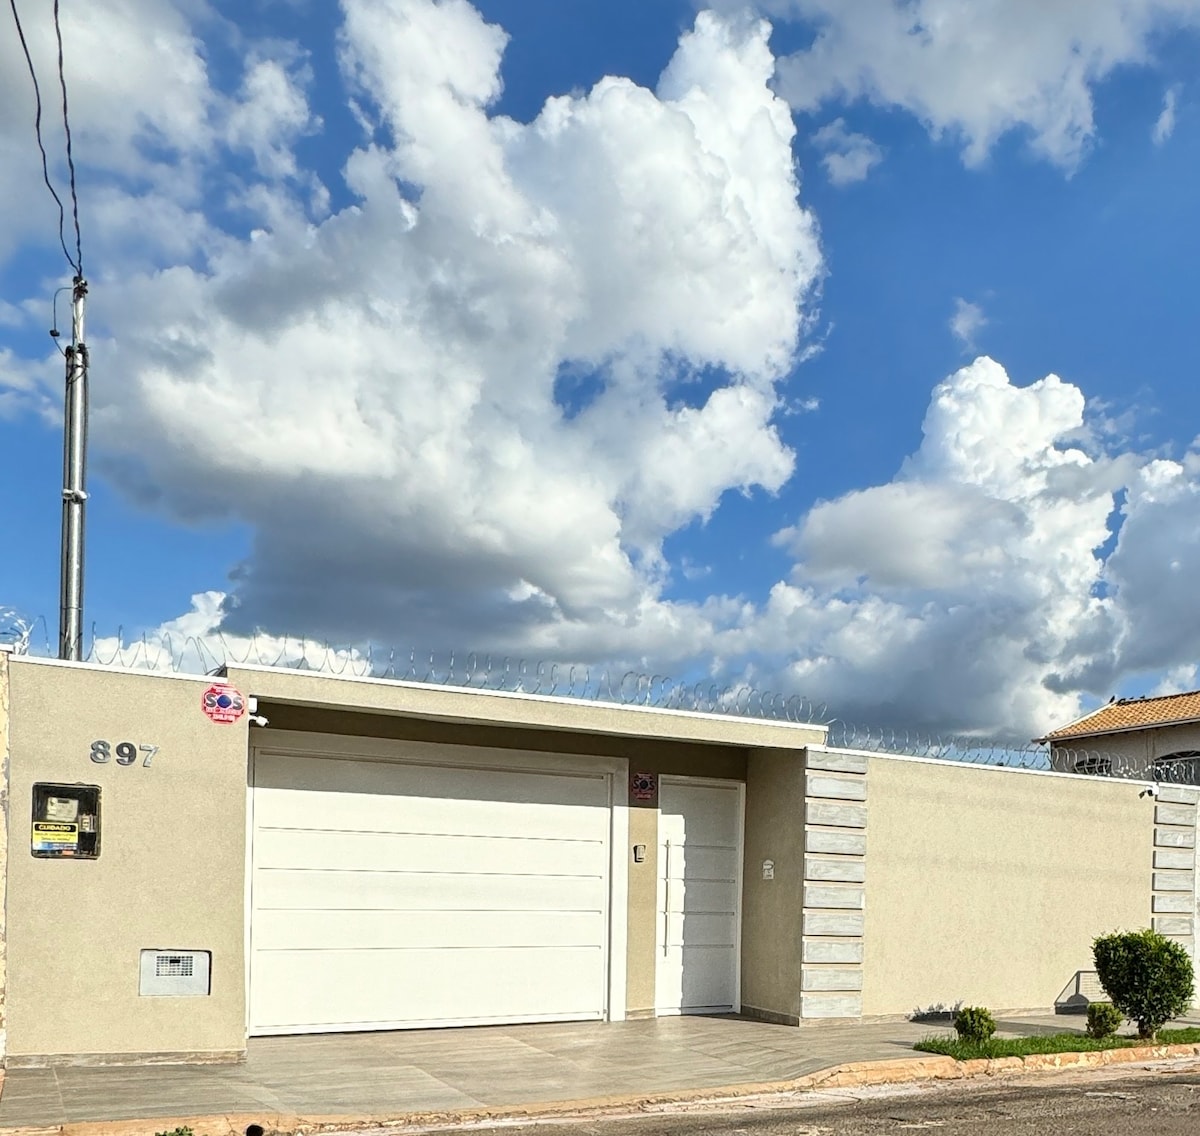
x: 176, y: 1132
x: 974, y: 1024
x: 1148, y: 977
x: 1103, y: 1020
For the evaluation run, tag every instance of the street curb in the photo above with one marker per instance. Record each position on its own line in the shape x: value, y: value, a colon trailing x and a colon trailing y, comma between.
x: 856, y: 1074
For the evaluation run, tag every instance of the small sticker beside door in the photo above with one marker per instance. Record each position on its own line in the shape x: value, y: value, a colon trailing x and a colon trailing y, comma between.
x: 643, y: 786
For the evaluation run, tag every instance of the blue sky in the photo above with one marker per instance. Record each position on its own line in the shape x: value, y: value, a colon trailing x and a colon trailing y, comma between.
x: 850, y: 356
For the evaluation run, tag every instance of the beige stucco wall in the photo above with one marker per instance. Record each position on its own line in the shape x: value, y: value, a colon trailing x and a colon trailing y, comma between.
x: 772, y: 909
x: 171, y: 871
x: 640, y: 937
x: 988, y: 885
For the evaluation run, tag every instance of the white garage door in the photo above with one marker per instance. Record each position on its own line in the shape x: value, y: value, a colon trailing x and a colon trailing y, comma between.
x: 388, y: 895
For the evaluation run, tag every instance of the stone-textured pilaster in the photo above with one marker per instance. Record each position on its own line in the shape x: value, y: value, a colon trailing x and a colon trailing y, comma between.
x: 835, y: 847
x: 1173, y: 901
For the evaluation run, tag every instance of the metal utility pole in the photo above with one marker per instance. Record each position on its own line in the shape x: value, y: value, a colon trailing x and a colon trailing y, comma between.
x: 74, y: 494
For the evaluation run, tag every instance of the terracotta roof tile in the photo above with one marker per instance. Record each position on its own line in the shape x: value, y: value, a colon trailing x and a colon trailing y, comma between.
x: 1132, y: 713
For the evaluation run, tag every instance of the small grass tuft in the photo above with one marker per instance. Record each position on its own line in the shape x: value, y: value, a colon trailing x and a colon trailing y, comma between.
x: 950, y: 1046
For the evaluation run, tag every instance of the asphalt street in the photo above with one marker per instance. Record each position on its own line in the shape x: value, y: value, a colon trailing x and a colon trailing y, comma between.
x: 1151, y: 1103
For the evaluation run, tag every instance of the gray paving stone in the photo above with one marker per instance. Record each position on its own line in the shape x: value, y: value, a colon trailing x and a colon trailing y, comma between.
x: 446, y: 1069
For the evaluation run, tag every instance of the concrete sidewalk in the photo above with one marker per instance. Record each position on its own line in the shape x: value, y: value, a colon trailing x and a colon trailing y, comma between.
x: 389, y: 1074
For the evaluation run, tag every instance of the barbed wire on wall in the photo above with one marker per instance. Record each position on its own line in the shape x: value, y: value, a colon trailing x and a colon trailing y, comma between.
x: 1063, y: 758
x: 948, y: 747
x: 214, y: 652
x: 467, y: 670
x: 18, y: 633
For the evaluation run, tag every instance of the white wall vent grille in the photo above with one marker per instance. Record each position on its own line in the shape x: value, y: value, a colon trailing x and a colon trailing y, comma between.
x: 177, y: 974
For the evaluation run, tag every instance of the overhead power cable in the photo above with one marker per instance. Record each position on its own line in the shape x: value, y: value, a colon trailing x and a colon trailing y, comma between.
x: 74, y: 262
x: 62, y: 82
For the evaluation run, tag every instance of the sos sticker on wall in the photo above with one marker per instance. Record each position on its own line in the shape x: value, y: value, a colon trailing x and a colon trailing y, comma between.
x: 223, y: 703
x: 643, y: 786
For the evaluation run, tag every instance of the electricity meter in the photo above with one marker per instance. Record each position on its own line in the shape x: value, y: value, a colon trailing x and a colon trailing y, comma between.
x: 66, y: 822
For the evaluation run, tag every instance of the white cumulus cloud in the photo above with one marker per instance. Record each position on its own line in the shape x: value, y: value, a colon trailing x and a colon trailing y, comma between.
x: 1154, y: 563
x: 976, y: 71
x: 1164, y: 125
x: 967, y: 322
x: 848, y: 157
x: 493, y: 384
x: 956, y: 595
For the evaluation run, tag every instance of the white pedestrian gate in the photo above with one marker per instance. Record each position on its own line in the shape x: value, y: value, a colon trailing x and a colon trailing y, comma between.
x: 699, y: 896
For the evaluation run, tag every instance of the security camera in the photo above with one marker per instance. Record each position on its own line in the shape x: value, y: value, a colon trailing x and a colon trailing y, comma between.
x: 1149, y: 791
x: 258, y: 720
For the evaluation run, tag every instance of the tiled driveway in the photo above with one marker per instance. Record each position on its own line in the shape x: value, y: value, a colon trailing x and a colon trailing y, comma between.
x: 432, y: 1070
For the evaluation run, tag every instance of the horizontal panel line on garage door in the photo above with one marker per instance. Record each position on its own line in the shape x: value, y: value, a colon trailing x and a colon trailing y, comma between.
x: 306, y: 848
x: 425, y: 872
x: 402, y: 872
x: 439, y: 947
x: 315, y: 887
x: 419, y: 832
x: 443, y: 911
x: 282, y: 929
x: 438, y: 911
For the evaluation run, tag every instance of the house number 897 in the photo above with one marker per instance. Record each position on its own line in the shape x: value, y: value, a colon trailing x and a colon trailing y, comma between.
x: 126, y: 753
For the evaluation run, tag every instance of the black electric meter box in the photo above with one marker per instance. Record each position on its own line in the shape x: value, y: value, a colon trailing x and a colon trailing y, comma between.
x: 66, y: 822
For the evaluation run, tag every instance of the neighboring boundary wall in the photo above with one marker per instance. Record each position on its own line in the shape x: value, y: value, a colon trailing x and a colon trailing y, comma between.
x: 880, y: 885
x: 987, y: 885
